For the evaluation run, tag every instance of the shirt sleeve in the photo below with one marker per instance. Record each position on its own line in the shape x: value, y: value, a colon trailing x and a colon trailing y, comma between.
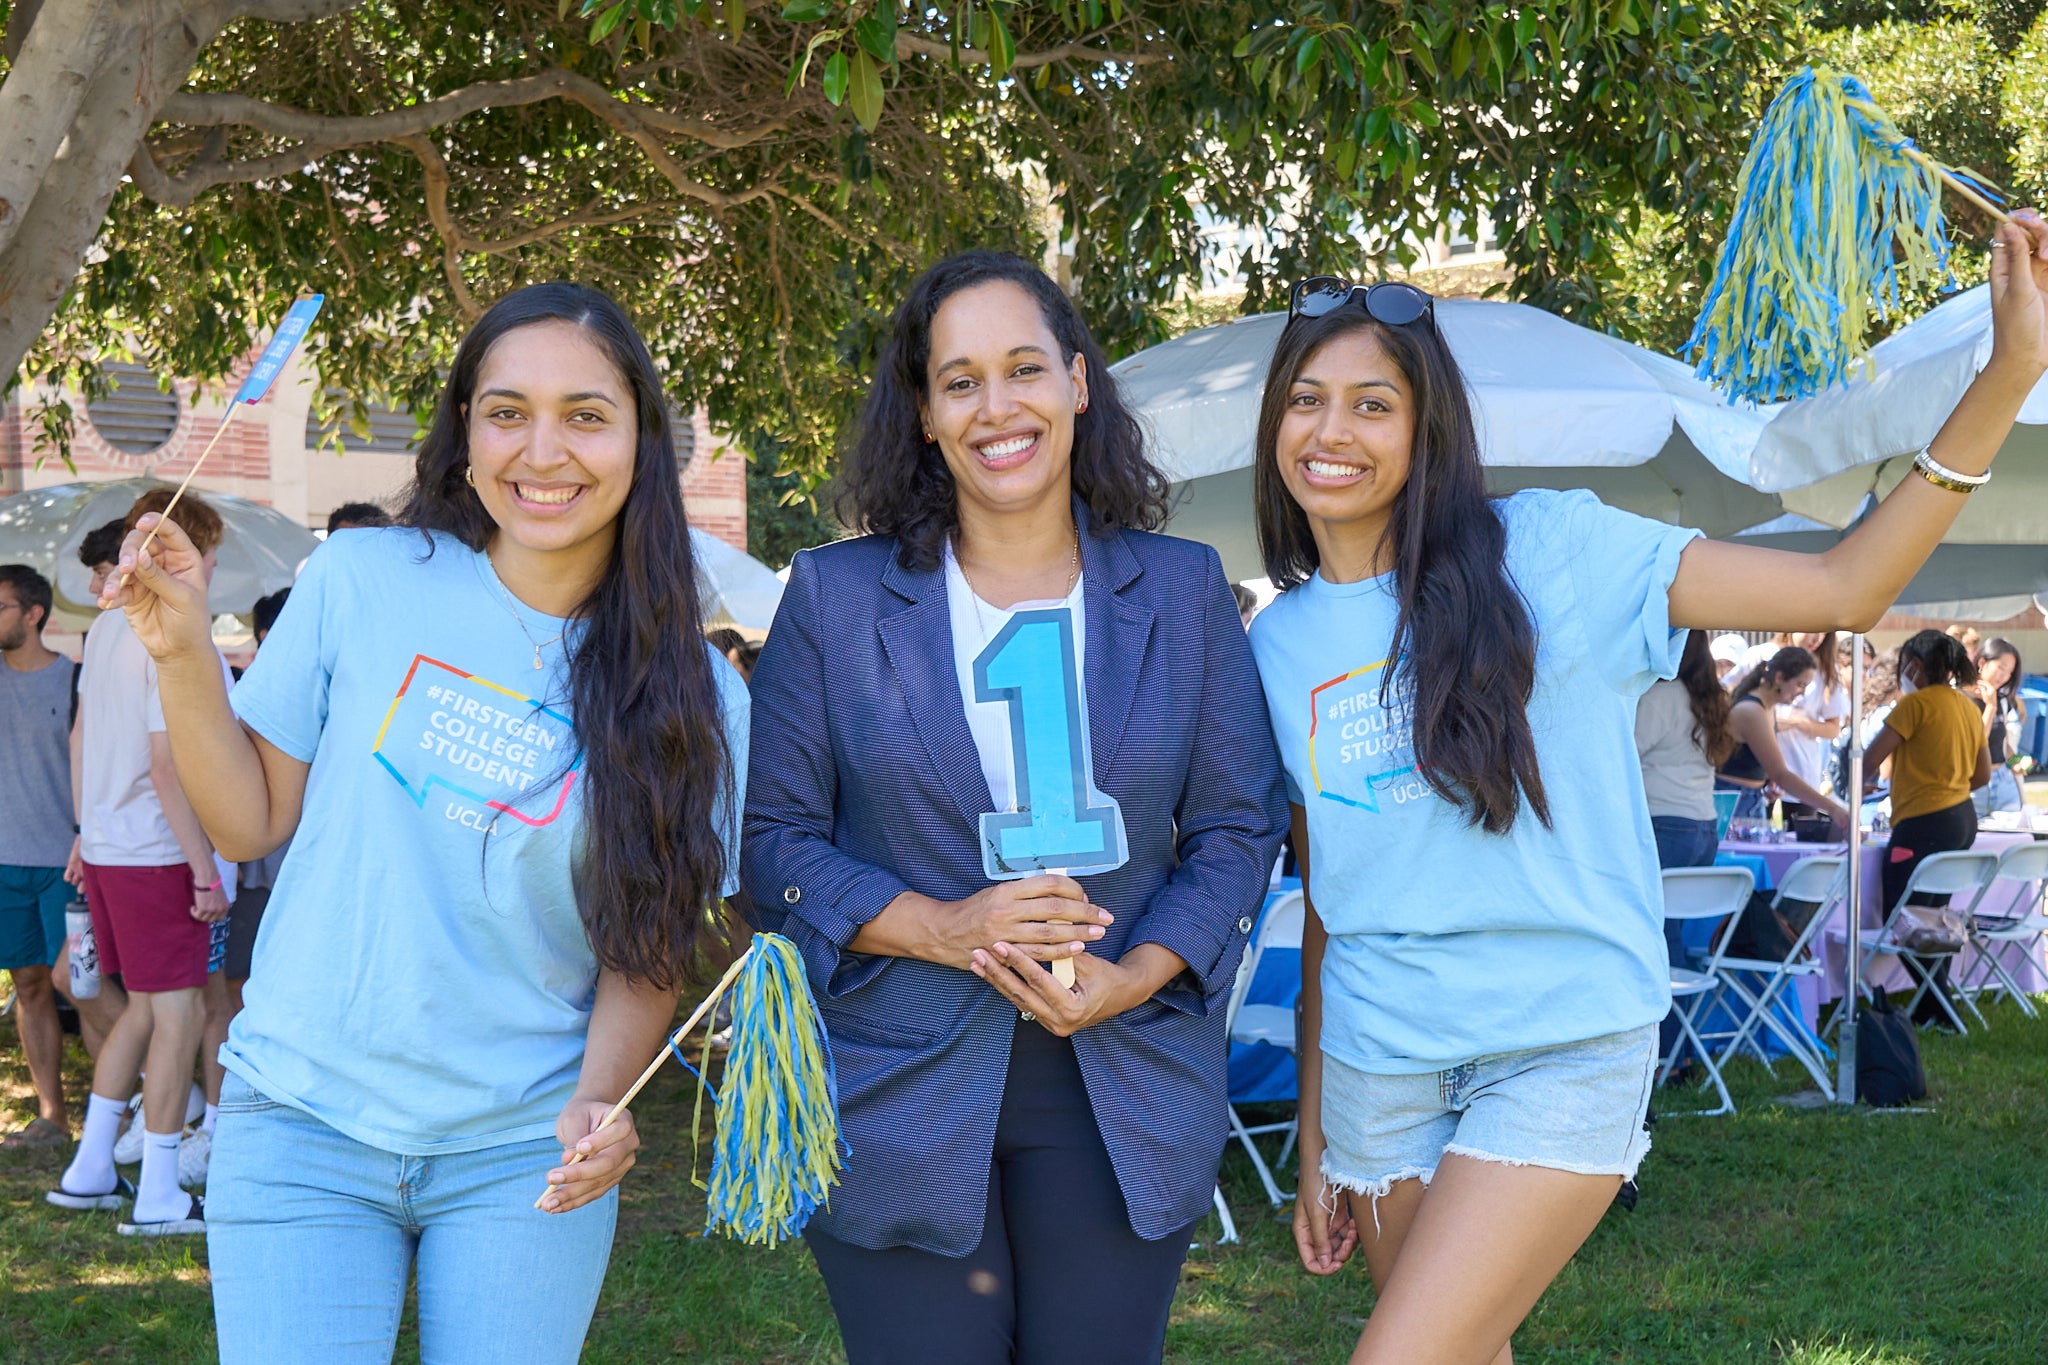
x: 1622, y: 567
x: 737, y: 709
x: 1907, y: 713
x: 283, y: 695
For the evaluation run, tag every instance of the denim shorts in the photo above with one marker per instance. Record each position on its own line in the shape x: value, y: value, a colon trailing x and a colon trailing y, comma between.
x: 1575, y: 1107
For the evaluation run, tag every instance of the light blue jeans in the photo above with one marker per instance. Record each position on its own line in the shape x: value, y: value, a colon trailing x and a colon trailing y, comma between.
x: 313, y: 1235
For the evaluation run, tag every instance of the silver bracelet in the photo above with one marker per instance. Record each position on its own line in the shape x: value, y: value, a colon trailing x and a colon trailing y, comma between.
x: 1941, y: 476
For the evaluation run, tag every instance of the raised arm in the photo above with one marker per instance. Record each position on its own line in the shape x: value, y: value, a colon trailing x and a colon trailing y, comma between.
x: 1850, y: 586
x: 245, y: 791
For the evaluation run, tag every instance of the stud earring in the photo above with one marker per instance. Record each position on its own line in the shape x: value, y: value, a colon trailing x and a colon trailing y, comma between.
x: 1083, y: 408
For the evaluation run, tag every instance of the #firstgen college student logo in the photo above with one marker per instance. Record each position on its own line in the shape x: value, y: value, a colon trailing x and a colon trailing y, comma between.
x: 479, y: 741
x: 1361, y: 753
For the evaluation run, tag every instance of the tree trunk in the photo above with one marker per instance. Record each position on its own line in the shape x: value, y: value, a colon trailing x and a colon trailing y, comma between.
x: 52, y: 63
x: 122, y: 64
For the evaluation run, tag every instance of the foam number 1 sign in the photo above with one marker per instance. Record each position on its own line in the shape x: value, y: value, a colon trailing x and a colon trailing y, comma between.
x: 1061, y: 822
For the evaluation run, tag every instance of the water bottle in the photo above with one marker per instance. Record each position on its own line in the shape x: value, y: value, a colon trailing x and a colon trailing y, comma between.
x: 84, y: 954
x: 217, y: 947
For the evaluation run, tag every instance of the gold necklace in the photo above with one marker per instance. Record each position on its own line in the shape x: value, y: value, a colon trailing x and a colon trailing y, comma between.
x: 974, y: 594
x: 512, y: 605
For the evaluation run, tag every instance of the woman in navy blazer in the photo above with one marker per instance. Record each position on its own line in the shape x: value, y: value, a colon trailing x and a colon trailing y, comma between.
x: 1026, y: 1161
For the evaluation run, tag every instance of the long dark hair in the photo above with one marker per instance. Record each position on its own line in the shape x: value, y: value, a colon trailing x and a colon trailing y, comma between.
x: 657, y: 777
x: 1827, y: 658
x: 1709, y: 699
x: 1788, y: 662
x: 1943, y: 659
x: 1464, y: 646
x: 1998, y: 647
x: 893, y: 482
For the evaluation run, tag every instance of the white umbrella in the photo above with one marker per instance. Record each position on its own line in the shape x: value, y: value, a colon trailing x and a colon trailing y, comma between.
x: 1557, y: 406
x: 260, y: 552
x: 1824, y: 455
x: 737, y: 588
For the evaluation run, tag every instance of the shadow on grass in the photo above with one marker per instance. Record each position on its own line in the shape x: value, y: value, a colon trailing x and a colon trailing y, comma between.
x: 1805, y: 1237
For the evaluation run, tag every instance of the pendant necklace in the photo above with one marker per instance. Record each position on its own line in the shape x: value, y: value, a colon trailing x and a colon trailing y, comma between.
x: 512, y: 605
x: 974, y: 594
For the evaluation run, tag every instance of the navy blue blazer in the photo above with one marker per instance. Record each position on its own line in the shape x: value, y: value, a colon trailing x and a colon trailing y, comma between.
x: 864, y: 783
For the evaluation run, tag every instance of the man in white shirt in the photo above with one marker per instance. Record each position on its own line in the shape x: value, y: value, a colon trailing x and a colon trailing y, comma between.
x: 154, y: 893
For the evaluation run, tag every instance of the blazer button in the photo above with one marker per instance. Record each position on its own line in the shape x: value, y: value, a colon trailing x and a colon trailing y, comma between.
x: 791, y: 895
x: 1244, y: 926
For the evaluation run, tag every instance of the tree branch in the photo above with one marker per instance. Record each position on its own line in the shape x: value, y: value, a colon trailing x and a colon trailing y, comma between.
x: 910, y: 45
x: 453, y: 239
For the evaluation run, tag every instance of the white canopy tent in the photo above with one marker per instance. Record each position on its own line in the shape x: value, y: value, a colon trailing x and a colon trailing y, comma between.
x: 1558, y: 406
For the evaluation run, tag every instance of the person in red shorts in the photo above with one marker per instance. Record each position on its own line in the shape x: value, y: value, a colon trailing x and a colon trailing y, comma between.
x: 154, y: 892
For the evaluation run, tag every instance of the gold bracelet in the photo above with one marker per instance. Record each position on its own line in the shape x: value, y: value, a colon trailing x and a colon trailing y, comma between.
x: 1941, y: 476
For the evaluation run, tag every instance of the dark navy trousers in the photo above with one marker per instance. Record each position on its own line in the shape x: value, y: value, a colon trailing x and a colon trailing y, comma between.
x: 1058, y: 1278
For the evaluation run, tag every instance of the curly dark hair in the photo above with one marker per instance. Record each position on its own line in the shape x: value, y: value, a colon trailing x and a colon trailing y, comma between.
x: 643, y: 698
x: 895, y: 483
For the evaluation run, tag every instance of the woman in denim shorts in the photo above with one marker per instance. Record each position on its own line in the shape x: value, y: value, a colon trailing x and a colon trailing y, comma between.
x: 1452, y: 680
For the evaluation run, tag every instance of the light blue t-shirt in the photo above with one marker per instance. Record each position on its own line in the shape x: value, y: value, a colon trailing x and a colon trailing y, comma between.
x: 1448, y: 943
x: 422, y: 982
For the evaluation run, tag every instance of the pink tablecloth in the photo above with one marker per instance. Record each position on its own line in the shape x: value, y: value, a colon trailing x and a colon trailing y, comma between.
x: 2029, y: 971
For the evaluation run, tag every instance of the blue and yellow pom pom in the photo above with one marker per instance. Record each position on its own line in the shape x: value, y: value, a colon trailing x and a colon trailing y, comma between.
x: 1838, y: 211
x: 776, y: 1155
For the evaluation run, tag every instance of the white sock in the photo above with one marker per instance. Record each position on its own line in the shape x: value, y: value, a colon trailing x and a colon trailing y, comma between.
x: 92, y: 1166
x: 212, y: 1113
x: 158, y: 1199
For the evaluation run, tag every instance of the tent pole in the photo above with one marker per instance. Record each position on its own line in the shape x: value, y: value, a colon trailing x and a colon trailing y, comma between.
x: 1852, y: 943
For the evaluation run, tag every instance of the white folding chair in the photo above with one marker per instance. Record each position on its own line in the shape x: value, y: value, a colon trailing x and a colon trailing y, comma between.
x: 1280, y: 927
x: 1963, y: 873
x: 1692, y: 893
x: 2023, y: 922
x: 1821, y: 883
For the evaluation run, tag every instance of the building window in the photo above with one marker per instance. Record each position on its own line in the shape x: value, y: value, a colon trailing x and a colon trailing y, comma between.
x: 684, y: 431
x: 391, y: 430
x: 135, y: 416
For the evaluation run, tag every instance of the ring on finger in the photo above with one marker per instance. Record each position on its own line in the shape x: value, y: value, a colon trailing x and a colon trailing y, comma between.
x: 1027, y: 1016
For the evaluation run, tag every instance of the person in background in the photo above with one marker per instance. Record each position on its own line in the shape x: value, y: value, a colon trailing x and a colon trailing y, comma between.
x: 354, y: 515
x: 1682, y: 735
x: 1997, y: 690
x: 1967, y: 637
x: 1756, y: 760
x: 733, y: 646
x: 35, y: 839
x: 258, y: 876
x: 1880, y: 694
x: 1728, y: 651
x: 154, y: 893
x: 98, y: 551
x: 1753, y: 655
x: 1247, y: 603
x: 1935, y: 741
x: 1810, y: 724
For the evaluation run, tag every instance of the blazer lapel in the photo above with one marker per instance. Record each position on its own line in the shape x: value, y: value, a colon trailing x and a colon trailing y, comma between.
x: 919, y: 643
x: 1118, y: 632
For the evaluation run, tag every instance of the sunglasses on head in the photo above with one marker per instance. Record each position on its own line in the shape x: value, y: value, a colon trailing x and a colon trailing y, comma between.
x: 1388, y: 302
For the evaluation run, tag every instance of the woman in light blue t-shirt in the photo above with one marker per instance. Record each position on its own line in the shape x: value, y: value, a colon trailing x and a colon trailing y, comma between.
x: 1452, y: 681
x: 508, y: 765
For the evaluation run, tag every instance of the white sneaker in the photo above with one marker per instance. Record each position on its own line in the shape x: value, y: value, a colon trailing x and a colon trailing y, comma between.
x: 194, y: 1152
x: 128, y: 1146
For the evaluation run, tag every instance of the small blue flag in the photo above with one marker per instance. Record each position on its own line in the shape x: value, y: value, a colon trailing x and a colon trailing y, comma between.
x: 280, y: 349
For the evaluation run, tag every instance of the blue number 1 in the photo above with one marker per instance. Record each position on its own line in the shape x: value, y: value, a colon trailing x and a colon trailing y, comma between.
x: 1060, y: 820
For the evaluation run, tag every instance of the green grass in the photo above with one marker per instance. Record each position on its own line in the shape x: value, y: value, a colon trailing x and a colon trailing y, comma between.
x: 1817, y: 1238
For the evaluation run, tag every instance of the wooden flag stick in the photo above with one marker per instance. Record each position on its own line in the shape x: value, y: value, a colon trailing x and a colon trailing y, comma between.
x: 674, y: 1040
x: 150, y: 539
x: 1955, y: 182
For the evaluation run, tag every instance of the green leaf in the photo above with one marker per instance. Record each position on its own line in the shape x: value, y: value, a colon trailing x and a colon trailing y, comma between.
x: 735, y: 16
x: 835, y: 77
x: 806, y: 11
x: 1003, y: 48
x: 877, y: 33
x: 1309, y: 52
x: 864, y: 91
x: 606, y: 22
